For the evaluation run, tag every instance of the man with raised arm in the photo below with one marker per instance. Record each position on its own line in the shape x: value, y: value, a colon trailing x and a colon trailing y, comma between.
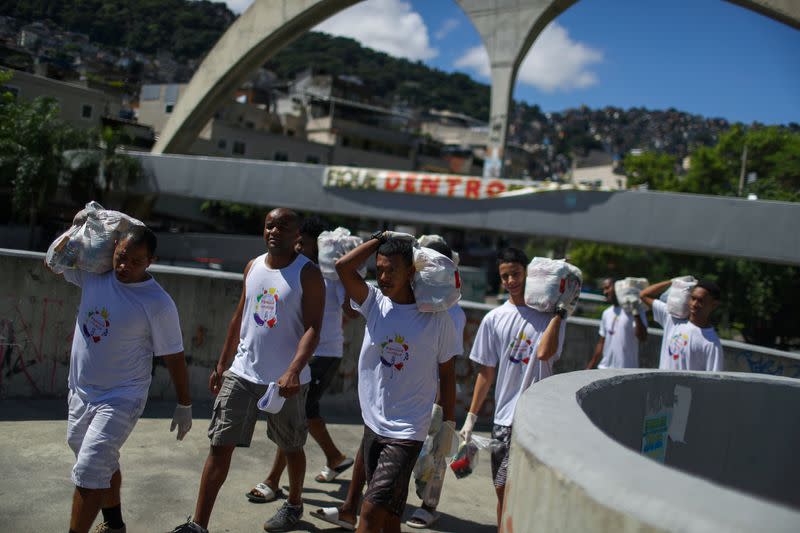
x: 621, y: 331
x: 271, y: 337
x: 688, y: 344
x: 518, y: 345
x: 405, y: 355
x: 124, y: 319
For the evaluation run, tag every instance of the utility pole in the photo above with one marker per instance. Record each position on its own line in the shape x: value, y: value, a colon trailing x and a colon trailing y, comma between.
x: 741, y: 172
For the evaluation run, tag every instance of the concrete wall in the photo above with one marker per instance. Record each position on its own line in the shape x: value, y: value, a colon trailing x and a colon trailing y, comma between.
x: 727, y: 439
x: 567, y: 474
x: 37, y: 314
x: 631, y: 218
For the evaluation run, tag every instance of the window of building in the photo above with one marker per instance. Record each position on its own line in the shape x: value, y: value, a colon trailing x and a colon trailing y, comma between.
x: 222, y: 144
x: 168, y: 108
x: 86, y: 111
x: 238, y: 147
x: 281, y: 156
x: 314, y: 160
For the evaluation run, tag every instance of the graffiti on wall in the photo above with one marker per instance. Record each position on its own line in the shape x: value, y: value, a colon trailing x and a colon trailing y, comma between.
x: 764, y: 364
x: 35, y: 343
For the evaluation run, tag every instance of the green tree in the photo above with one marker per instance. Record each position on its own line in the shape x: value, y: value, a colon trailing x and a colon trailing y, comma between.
x: 32, y: 144
x: 654, y: 169
x: 773, y: 155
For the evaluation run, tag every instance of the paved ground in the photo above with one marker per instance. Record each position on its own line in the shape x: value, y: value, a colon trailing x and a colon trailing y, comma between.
x: 161, y: 476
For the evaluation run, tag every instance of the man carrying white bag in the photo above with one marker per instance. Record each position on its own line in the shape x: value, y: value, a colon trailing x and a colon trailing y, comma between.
x: 690, y: 341
x: 124, y: 319
x: 623, y: 325
x: 519, y: 344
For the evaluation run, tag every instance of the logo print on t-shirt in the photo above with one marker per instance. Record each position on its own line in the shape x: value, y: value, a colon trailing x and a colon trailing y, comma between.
x: 394, y: 354
x: 96, y: 324
x: 266, y: 312
x: 519, y: 350
x: 678, y: 346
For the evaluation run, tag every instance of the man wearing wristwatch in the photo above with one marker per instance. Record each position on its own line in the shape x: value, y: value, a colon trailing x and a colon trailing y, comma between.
x: 622, y: 328
x: 405, y: 357
x: 518, y: 345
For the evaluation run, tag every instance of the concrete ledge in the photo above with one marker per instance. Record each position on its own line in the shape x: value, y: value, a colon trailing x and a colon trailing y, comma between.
x: 568, y: 475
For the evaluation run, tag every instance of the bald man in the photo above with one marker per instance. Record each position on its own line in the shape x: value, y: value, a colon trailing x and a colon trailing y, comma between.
x: 271, y: 337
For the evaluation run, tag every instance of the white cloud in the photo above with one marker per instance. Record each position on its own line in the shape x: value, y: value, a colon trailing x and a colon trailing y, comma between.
x: 446, y: 27
x: 391, y: 26
x: 554, y: 63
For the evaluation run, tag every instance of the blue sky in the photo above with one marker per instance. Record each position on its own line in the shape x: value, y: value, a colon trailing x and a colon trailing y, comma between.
x: 708, y: 57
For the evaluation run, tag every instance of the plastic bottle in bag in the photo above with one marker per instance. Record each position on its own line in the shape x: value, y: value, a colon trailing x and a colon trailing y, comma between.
x: 550, y: 282
x: 465, y: 460
x: 436, y: 283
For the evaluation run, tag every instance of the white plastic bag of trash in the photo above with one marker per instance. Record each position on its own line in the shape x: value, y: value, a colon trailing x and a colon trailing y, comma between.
x: 332, y: 245
x: 436, y: 283
x: 678, y: 295
x: 425, y: 240
x: 627, y: 291
x: 89, y: 244
x: 551, y: 282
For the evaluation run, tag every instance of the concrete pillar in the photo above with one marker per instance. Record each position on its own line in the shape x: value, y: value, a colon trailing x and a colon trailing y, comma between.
x: 508, y: 29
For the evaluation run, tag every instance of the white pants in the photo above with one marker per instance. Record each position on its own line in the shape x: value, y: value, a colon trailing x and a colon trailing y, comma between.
x: 96, y: 432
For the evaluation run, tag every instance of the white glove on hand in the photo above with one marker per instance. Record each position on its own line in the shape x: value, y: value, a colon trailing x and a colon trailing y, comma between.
x: 389, y: 235
x: 181, y: 419
x: 466, y: 429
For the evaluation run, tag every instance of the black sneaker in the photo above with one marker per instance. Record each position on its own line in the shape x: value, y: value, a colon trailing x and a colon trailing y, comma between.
x: 189, y: 527
x: 285, y: 519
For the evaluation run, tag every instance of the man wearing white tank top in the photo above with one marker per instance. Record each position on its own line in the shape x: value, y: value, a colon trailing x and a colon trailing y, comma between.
x: 271, y: 337
x: 323, y: 366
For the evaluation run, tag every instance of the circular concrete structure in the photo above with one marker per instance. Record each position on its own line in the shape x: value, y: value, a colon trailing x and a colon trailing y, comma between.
x: 631, y: 450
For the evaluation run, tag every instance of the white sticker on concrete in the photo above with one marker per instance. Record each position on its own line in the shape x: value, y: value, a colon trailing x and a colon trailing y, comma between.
x: 680, y: 413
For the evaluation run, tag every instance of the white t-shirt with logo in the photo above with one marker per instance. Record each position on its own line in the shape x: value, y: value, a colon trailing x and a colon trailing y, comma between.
x: 507, y: 339
x: 618, y: 328
x: 120, y: 327
x: 331, y: 337
x: 459, y: 321
x: 686, y: 346
x: 398, y: 368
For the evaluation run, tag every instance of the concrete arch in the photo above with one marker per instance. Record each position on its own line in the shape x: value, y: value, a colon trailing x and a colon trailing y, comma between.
x: 258, y: 34
x: 508, y: 29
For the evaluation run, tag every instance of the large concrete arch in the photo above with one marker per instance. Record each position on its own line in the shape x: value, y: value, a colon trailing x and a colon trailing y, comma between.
x: 508, y: 29
x: 258, y: 34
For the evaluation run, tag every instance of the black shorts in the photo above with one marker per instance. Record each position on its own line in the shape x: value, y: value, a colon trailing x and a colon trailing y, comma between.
x: 500, y: 454
x: 323, y: 370
x: 388, y: 464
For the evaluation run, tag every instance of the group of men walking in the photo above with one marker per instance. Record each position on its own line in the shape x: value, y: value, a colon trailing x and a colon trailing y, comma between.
x: 285, y: 338
x: 690, y: 343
